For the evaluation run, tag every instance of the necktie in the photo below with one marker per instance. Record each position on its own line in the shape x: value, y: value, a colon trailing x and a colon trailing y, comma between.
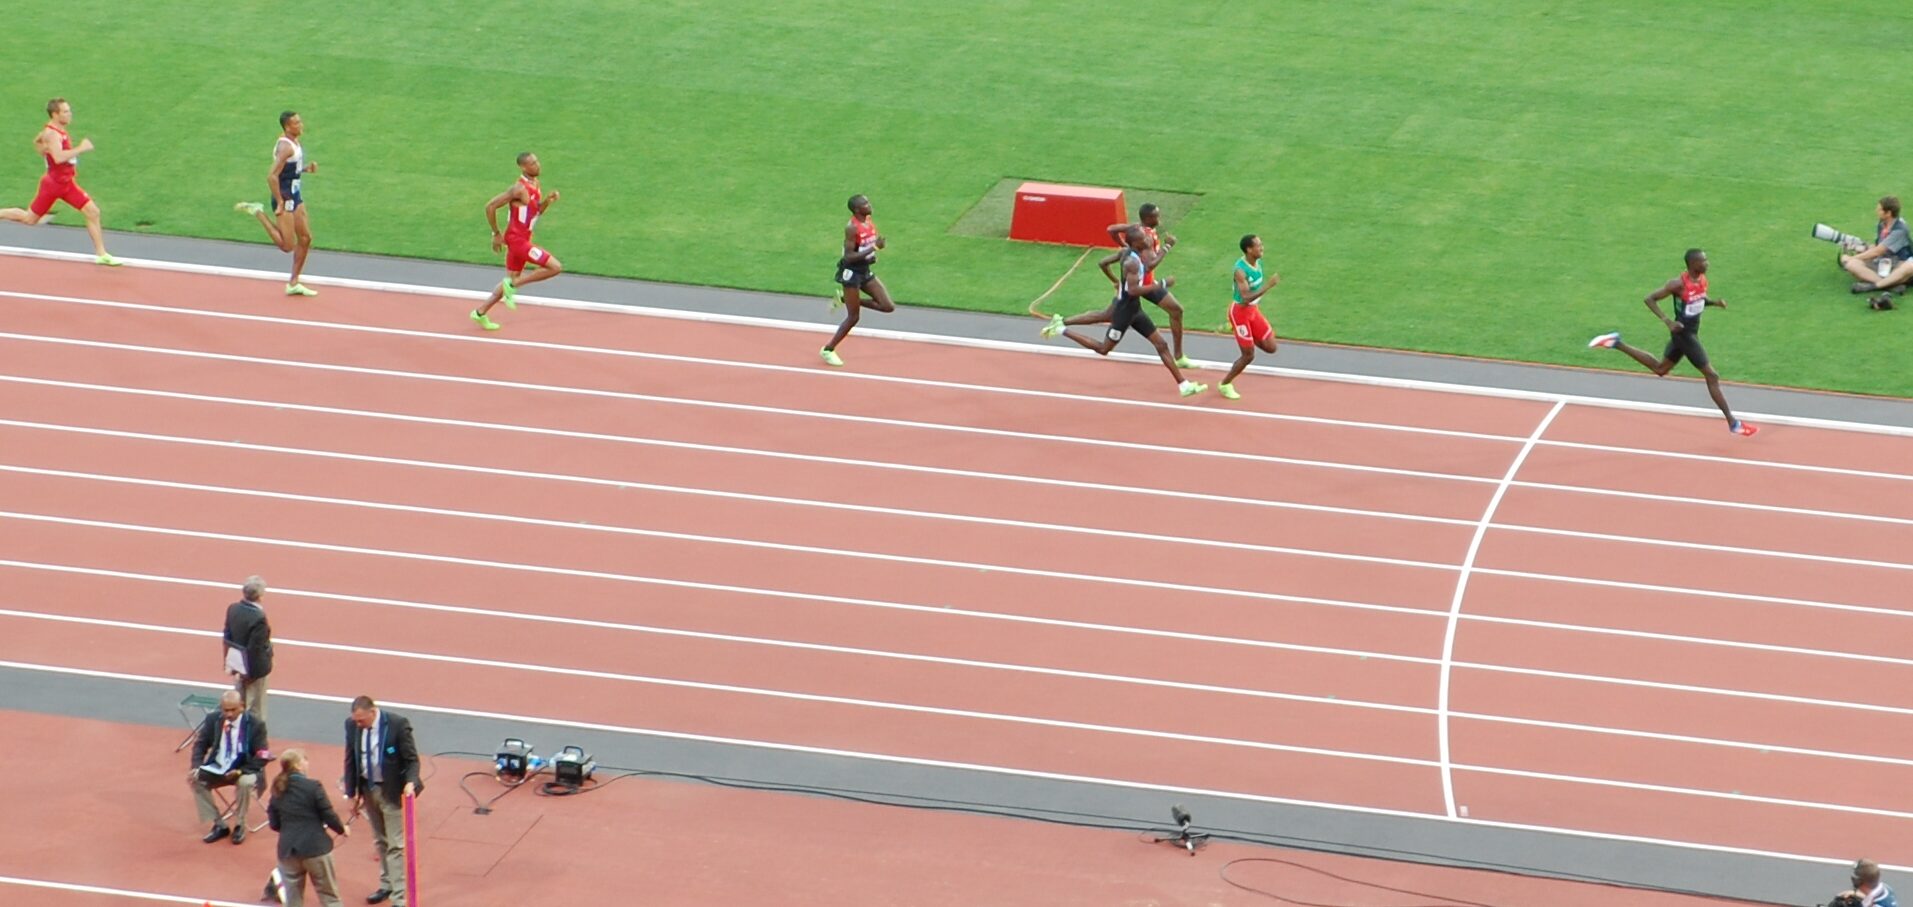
x: 227, y: 745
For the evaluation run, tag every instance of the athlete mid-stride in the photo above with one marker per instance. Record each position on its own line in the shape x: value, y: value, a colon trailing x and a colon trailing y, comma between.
x: 857, y: 287
x: 525, y: 202
x: 1126, y: 313
x: 1683, y: 333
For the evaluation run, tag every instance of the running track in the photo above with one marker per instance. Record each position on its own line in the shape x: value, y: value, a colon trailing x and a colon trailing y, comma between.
x: 1404, y: 601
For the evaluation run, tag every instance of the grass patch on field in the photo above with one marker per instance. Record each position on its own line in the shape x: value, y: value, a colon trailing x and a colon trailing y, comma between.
x: 1498, y: 178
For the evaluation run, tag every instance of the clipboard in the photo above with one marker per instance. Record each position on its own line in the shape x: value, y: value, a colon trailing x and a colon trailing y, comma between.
x: 236, y: 661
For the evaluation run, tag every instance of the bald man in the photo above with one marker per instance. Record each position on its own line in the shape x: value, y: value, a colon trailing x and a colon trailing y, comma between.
x: 230, y: 750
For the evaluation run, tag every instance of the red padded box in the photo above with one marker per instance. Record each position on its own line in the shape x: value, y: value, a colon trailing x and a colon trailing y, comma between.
x: 1072, y: 215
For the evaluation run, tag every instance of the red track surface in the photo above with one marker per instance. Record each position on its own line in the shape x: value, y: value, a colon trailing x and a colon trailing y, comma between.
x: 1063, y: 625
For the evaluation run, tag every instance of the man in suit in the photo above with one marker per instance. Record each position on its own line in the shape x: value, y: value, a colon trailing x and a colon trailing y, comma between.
x: 248, y: 645
x: 381, y: 770
x: 301, y: 812
x: 229, y: 750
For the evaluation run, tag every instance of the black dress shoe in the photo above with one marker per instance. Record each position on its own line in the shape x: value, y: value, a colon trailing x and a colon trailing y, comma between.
x: 219, y: 831
x: 239, y: 834
x: 378, y: 896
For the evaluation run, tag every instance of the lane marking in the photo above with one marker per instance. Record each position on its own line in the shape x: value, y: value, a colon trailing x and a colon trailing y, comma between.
x: 598, y: 574
x: 120, y: 892
x: 628, y: 396
x: 408, y: 655
x: 657, y: 442
x: 1827, y: 860
x: 729, y: 495
x: 730, y: 320
x: 1454, y: 607
x: 989, y: 665
x: 762, y: 692
x: 807, y: 371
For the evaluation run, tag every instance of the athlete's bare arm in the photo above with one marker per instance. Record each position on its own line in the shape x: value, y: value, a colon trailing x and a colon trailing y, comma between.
x: 515, y: 194
x: 281, y: 153
x: 1653, y: 301
x: 48, y: 142
x: 1112, y: 259
x: 1269, y: 280
x: 853, y: 253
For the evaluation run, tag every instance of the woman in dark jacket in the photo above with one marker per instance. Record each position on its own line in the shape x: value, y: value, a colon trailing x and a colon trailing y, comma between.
x: 301, y: 812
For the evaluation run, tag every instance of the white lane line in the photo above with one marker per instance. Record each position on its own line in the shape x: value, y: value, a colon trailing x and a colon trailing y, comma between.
x: 922, y: 470
x: 1688, y: 792
x: 834, y: 461
x: 775, y: 594
x: 1126, y: 784
x: 1837, y: 655
x: 666, y: 444
x: 1661, y: 497
x: 586, y: 623
x: 1733, y: 461
x: 719, y: 539
x: 862, y: 508
x: 1692, y: 591
x: 628, y: 396
x: 120, y: 892
x: 1665, y: 686
x: 1461, y: 593
x: 806, y: 371
x: 1702, y: 546
x: 620, y: 577
x: 727, y: 320
x: 412, y: 655
x: 810, y: 503
x: 762, y: 692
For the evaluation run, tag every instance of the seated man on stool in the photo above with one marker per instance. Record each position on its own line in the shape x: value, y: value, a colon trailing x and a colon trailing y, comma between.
x: 1888, y: 263
x: 230, y: 749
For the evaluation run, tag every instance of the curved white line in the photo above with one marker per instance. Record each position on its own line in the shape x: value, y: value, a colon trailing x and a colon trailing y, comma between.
x: 1454, y: 607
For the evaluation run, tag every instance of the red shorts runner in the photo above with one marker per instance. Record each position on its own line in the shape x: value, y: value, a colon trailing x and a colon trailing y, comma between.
x: 516, y: 254
x: 58, y: 190
x: 1249, y: 325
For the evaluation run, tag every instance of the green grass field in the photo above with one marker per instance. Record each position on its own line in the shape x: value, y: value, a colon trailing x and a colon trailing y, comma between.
x: 1485, y: 177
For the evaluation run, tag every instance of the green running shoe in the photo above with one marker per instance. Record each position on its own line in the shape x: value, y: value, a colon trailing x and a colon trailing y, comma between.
x: 299, y: 289
x: 107, y: 260
x: 1184, y: 362
x: 831, y: 357
x: 1054, y: 327
x: 1228, y: 392
x: 484, y: 321
x: 253, y: 208
x: 510, y: 294
x: 1190, y: 388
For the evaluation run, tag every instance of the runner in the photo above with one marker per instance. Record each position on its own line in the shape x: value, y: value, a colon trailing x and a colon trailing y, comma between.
x: 1126, y: 312
x: 1683, y: 340
x: 287, y: 227
x: 1148, y: 218
x: 857, y: 286
x: 1252, y: 331
x: 528, y: 203
x: 60, y: 183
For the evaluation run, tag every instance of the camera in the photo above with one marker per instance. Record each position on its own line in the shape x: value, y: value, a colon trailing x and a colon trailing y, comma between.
x: 1846, y: 241
x: 1847, y: 899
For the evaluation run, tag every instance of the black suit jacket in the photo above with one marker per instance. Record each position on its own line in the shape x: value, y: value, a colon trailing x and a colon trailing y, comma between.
x: 301, y: 814
x: 397, y: 754
x: 252, y: 733
x: 246, y: 628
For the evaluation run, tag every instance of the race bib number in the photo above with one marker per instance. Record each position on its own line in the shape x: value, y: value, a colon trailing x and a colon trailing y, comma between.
x: 1691, y: 309
x: 1242, y: 331
x: 295, y: 185
x: 846, y: 275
